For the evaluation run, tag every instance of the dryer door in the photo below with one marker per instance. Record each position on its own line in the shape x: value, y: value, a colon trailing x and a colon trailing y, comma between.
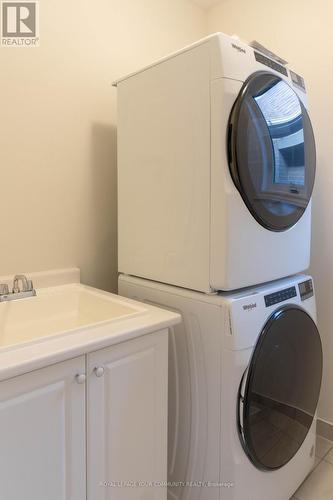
x: 271, y: 151
x: 279, y: 393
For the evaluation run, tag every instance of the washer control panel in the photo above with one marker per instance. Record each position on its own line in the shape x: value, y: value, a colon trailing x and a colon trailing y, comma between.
x: 305, y: 289
x: 280, y: 296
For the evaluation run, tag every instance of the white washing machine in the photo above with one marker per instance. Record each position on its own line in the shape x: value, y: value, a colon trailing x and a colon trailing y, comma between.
x: 216, y: 165
x: 245, y: 374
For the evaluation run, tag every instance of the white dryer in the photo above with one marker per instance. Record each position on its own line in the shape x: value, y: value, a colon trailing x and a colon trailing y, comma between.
x: 245, y: 376
x: 216, y: 166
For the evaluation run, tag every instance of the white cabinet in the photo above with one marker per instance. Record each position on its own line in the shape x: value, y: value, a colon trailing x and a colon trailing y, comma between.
x: 122, y: 390
x: 127, y: 420
x: 42, y: 430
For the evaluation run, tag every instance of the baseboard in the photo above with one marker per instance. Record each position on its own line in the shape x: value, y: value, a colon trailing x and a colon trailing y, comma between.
x: 325, y: 429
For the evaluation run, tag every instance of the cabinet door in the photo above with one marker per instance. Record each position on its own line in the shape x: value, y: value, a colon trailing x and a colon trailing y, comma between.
x: 127, y: 420
x: 42, y: 434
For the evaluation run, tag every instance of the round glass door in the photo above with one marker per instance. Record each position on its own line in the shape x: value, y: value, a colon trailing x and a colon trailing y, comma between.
x: 271, y: 151
x: 279, y: 392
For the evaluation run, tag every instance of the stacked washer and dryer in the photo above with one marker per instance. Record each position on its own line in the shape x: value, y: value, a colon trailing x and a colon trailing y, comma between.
x: 216, y: 166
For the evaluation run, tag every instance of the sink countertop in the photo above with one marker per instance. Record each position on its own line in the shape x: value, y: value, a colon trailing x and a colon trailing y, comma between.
x: 132, y: 319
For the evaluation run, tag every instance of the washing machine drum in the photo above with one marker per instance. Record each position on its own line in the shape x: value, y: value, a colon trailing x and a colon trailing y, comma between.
x: 271, y: 151
x: 279, y: 392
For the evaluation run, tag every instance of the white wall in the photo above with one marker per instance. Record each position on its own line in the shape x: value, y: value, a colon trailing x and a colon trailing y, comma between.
x: 301, y: 32
x: 57, y: 128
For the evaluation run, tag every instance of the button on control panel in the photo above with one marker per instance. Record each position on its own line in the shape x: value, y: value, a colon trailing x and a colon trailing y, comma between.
x: 305, y: 289
x: 280, y: 296
x: 297, y: 80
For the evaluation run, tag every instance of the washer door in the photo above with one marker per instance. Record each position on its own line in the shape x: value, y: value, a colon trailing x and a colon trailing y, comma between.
x: 271, y: 149
x: 279, y: 392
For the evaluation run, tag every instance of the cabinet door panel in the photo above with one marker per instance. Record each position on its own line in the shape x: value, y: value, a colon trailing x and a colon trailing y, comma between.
x: 127, y: 420
x: 42, y: 434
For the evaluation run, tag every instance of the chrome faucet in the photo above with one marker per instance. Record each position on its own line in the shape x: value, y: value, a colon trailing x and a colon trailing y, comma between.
x: 22, y: 288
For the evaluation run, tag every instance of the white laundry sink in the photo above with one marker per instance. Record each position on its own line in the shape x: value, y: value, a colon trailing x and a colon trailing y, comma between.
x: 60, y: 310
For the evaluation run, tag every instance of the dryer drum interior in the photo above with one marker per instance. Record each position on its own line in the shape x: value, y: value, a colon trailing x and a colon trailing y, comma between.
x: 279, y: 392
x: 271, y: 149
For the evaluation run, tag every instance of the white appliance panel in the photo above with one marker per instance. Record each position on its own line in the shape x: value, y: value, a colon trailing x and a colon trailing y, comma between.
x: 209, y: 353
x: 182, y: 220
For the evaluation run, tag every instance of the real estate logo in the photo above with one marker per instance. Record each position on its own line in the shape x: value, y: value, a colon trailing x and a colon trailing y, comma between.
x: 19, y: 24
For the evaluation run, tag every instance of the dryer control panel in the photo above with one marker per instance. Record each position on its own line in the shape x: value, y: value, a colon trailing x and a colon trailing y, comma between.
x: 271, y: 64
x: 280, y: 296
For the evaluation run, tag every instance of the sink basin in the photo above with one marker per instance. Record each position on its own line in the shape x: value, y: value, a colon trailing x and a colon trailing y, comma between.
x: 59, y: 310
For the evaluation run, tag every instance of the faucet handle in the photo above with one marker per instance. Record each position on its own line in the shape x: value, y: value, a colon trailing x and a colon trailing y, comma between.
x: 30, y: 286
x: 4, y: 289
x: 24, y: 282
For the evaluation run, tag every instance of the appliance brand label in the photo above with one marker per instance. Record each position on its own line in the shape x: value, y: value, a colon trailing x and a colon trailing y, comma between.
x: 249, y: 307
x: 237, y: 47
